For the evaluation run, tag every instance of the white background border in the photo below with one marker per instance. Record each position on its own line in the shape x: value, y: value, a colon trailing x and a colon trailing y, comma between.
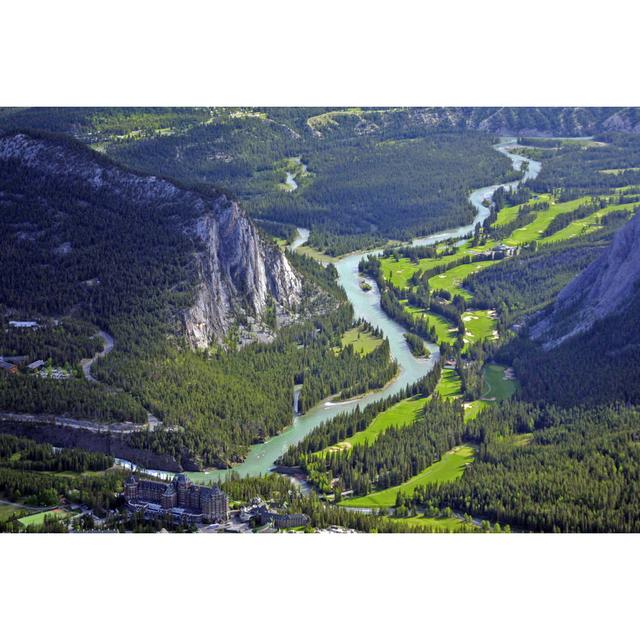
x: 493, y: 52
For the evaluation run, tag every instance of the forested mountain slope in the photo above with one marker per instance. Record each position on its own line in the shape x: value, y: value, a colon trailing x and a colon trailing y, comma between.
x: 606, y: 287
x: 80, y: 231
x: 212, y: 325
x: 162, y: 269
x: 586, y: 349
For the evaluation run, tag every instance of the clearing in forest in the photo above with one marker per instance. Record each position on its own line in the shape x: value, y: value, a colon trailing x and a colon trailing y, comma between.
x: 498, y: 382
x: 361, y: 339
x: 449, y: 468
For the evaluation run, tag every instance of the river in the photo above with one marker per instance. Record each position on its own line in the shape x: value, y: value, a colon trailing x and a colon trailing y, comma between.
x: 366, y: 304
x: 290, y: 179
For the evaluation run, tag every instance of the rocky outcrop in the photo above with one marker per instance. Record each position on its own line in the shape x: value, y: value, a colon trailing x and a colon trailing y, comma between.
x: 238, y: 273
x: 606, y: 287
x: 624, y: 120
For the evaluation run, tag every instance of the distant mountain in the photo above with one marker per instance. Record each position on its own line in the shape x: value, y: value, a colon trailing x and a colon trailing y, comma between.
x: 556, y: 121
x: 83, y: 234
x: 522, y: 121
x: 89, y: 124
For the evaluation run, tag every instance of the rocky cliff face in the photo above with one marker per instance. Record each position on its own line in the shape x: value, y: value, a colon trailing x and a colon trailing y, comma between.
x: 604, y: 288
x: 554, y: 121
x: 238, y: 274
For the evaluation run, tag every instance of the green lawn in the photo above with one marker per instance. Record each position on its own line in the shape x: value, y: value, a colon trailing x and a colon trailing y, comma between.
x: 586, y: 225
x: 400, y: 271
x: 8, y: 510
x: 472, y: 409
x: 450, y: 384
x: 495, y: 386
x: 401, y: 414
x: 445, y: 330
x: 450, y: 467
x: 452, y: 279
x: 480, y: 325
x: 543, y: 219
x: 38, y: 518
x: 363, y: 341
x: 509, y: 214
x: 442, y: 525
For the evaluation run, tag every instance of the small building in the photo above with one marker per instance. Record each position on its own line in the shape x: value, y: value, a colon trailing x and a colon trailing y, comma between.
x: 287, y: 520
x: 35, y: 365
x: 8, y: 367
x: 23, y: 324
x: 55, y: 373
x: 17, y: 360
x: 506, y: 250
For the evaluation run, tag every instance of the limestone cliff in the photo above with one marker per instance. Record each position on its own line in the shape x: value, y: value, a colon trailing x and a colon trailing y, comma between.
x: 238, y: 274
x: 606, y: 287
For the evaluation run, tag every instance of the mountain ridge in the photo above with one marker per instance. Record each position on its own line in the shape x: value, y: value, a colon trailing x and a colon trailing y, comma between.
x: 237, y: 271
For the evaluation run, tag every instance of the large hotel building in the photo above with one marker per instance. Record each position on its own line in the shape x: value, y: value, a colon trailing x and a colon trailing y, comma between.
x: 179, y: 498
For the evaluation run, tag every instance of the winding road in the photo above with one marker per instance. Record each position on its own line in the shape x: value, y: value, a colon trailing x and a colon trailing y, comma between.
x: 87, y: 363
x: 109, y: 343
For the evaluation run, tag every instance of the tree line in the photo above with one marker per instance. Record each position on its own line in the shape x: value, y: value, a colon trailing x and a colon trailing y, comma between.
x: 540, y: 468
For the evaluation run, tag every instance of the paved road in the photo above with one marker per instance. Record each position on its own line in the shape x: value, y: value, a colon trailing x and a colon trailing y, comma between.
x: 108, y: 343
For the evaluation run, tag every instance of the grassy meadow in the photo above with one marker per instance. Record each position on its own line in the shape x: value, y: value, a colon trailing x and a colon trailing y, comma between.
x: 495, y: 385
x: 362, y: 341
x: 441, y: 525
x: 480, y: 325
x: 38, y: 518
